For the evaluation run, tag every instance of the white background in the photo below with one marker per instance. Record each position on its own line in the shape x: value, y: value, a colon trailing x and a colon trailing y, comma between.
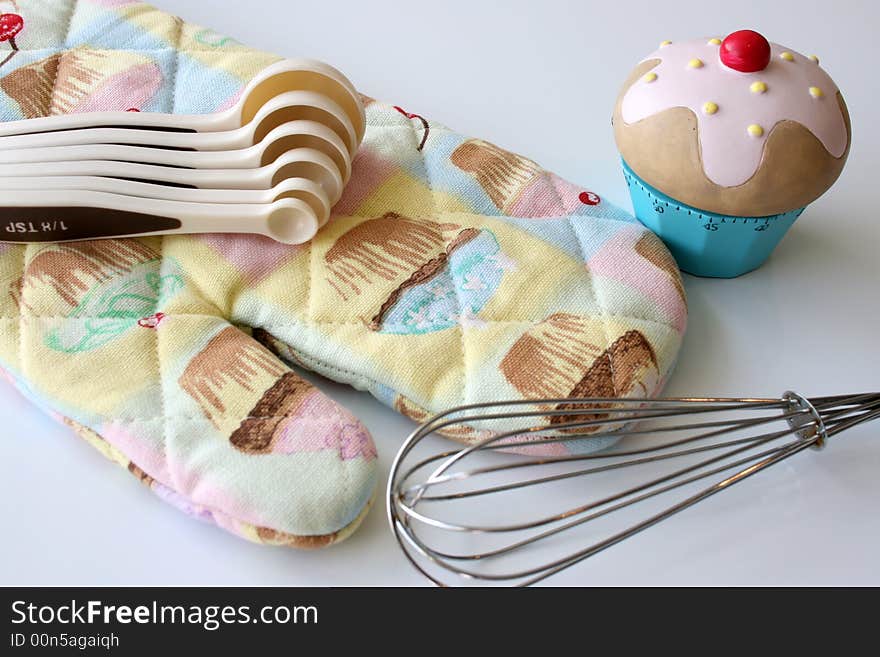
x: 540, y: 78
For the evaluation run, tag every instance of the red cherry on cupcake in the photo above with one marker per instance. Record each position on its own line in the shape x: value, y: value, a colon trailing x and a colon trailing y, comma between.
x: 745, y: 51
x: 10, y: 25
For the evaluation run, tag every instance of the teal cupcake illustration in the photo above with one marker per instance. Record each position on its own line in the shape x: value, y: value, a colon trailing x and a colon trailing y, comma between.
x: 456, y: 294
x: 724, y: 144
x: 417, y: 276
x: 104, y: 289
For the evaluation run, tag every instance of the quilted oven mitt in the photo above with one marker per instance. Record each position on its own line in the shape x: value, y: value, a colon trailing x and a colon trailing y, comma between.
x: 452, y: 272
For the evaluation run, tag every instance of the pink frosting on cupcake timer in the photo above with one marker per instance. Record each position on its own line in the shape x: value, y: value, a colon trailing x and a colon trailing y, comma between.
x: 737, y: 111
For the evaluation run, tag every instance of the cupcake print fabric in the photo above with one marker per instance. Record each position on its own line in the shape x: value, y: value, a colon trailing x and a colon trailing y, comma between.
x: 452, y: 271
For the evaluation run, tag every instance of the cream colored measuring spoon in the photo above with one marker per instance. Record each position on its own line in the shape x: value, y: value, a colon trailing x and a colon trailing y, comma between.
x: 283, y: 76
x: 287, y: 107
x: 60, y: 216
x: 289, y: 136
x: 305, y: 190
x: 299, y: 163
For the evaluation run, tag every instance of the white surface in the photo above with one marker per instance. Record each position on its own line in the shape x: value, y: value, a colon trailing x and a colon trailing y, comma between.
x: 540, y: 78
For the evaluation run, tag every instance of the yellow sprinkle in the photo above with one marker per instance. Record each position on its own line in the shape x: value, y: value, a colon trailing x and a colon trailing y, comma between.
x: 663, y: 44
x: 816, y: 92
x: 649, y: 77
x: 814, y: 58
x: 714, y: 42
x: 709, y: 107
x: 758, y: 87
x: 787, y: 56
x: 755, y: 130
x: 695, y: 63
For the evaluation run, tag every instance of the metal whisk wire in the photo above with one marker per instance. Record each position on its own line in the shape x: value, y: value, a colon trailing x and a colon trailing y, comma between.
x: 696, y: 432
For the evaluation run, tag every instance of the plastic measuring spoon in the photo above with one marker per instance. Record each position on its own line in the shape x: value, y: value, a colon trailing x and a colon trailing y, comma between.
x: 287, y: 107
x: 283, y: 76
x: 289, y: 136
x: 61, y: 216
x: 305, y: 190
x: 299, y: 163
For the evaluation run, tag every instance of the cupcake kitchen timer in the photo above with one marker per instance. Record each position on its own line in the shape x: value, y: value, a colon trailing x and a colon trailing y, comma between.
x: 724, y: 143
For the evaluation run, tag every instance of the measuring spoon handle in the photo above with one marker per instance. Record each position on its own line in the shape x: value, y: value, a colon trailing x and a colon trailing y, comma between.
x: 301, y: 188
x: 207, y: 141
x: 147, y: 121
x: 53, y: 216
x: 237, y: 159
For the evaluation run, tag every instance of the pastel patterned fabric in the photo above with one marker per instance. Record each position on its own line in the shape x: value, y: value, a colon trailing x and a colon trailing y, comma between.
x: 452, y: 271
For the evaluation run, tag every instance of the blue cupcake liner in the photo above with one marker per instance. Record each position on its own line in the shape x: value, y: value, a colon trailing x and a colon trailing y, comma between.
x: 705, y: 243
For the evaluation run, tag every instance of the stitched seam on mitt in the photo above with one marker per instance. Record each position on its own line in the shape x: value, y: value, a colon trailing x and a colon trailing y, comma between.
x: 214, y: 511
x: 21, y: 350
x: 595, y: 292
x: 163, y: 402
x: 318, y: 322
x: 462, y: 341
x: 67, y: 27
x: 314, y: 365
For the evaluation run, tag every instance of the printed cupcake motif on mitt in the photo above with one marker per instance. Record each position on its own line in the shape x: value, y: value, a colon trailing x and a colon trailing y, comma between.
x: 250, y: 396
x: 557, y: 359
x: 651, y: 249
x: 70, y: 270
x: 31, y: 86
x: 113, y: 308
x: 517, y: 186
x: 234, y: 377
x: 84, y: 80
x: 445, y: 273
x: 269, y: 536
x: 107, y: 287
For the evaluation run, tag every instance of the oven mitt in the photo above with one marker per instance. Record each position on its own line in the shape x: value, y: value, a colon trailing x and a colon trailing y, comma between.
x: 452, y: 271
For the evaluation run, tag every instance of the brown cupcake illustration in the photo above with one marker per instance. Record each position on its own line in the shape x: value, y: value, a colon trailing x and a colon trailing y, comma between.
x: 283, y: 350
x: 79, y: 74
x: 90, y: 80
x: 142, y: 476
x: 235, y: 377
x: 384, y: 257
x: 502, y: 174
x: 274, y: 537
x: 83, y: 80
x: 70, y: 270
x: 554, y: 360
x: 549, y: 359
x: 652, y: 249
x: 413, y: 411
x: 31, y: 86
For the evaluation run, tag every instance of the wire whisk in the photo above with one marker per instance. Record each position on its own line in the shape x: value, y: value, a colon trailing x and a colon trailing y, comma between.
x: 521, y: 504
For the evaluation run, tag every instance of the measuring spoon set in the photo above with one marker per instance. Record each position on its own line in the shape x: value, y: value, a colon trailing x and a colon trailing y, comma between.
x: 273, y: 164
